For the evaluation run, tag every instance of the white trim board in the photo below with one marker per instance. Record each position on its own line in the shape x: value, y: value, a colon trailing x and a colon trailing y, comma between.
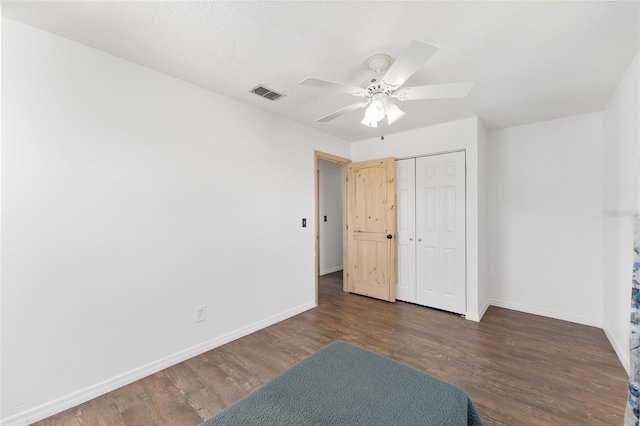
x: 58, y: 405
x: 623, y: 355
x: 483, y: 309
x: 472, y: 316
x: 478, y: 317
x: 546, y: 313
x: 330, y: 270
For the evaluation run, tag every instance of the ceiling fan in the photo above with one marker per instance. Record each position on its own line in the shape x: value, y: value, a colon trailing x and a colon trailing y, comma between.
x: 380, y: 91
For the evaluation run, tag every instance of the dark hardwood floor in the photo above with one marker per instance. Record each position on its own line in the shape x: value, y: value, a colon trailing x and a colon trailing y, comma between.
x: 518, y: 368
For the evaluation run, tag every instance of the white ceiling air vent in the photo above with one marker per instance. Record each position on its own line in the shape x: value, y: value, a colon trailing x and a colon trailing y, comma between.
x: 266, y: 93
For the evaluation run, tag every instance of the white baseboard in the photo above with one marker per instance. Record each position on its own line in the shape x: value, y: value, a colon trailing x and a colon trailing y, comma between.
x: 58, y: 405
x: 623, y: 354
x: 546, y: 313
x: 330, y: 270
x: 484, y: 308
x: 472, y: 316
x: 477, y: 316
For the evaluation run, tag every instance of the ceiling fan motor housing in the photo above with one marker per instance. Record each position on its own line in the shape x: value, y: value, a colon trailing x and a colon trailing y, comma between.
x: 378, y: 86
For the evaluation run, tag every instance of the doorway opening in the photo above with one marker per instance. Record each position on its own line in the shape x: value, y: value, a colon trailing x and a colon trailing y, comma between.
x: 330, y: 215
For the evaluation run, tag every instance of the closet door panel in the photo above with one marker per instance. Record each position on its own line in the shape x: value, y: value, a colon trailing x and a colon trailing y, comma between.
x: 452, y: 261
x: 428, y: 281
x: 405, y: 230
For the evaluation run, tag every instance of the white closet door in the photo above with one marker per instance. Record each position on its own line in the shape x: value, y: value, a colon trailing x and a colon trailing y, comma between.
x: 406, y: 229
x: 440, y: 232
x: 428, y: 237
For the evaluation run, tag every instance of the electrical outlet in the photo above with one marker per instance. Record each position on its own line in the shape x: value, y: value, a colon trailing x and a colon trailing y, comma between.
x: 201, y: 313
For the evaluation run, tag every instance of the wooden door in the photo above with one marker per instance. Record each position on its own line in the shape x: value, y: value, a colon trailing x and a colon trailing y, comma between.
x: 441, y: 232
x: 406, y: 229
x: 371, y: 269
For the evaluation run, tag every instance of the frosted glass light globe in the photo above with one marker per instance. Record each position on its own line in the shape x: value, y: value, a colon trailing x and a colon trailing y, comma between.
x: 375, y: 111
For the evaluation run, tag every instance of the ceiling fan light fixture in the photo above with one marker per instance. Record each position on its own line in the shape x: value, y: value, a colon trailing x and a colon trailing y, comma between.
x: 393, y: 113
x: 381, y: 90
x: 375, y: 111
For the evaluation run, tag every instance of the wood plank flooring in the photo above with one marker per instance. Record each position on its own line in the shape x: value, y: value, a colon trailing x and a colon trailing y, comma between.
x: 517, y: 368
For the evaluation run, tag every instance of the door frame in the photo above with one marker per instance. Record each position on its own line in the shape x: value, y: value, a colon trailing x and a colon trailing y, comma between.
x: 342, y: 161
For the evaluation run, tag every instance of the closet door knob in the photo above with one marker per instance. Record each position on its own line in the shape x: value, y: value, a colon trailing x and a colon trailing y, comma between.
x: 389, y: 236
x: 419, y: 240
x: 410, y: 239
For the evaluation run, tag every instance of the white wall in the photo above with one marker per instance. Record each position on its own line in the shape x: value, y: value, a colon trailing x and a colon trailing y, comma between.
x: 129, y: 198
x: 0, y: 212
x: 453, y: 136
x: 330, y: 205
x: 545, y: 225
x: 483, y: 220
x: 621, y: 139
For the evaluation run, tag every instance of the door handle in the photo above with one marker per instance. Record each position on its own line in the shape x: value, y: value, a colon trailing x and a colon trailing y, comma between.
x: 389, y: 236
x: 410, y: 239
x: 419, y: 240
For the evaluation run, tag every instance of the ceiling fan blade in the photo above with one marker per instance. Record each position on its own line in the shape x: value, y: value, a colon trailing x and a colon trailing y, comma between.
x: 413, y: 57
x: 330, y: 85
x: 370, y: 123
x: 436, y: 91
x: 393, y: 113
x: 342, y: 111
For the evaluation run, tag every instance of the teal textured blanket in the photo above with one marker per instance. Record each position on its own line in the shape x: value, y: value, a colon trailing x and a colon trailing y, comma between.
x: 342, y: 384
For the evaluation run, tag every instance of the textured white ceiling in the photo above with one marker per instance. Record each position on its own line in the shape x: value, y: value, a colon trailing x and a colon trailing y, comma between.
x: 530, y: 61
